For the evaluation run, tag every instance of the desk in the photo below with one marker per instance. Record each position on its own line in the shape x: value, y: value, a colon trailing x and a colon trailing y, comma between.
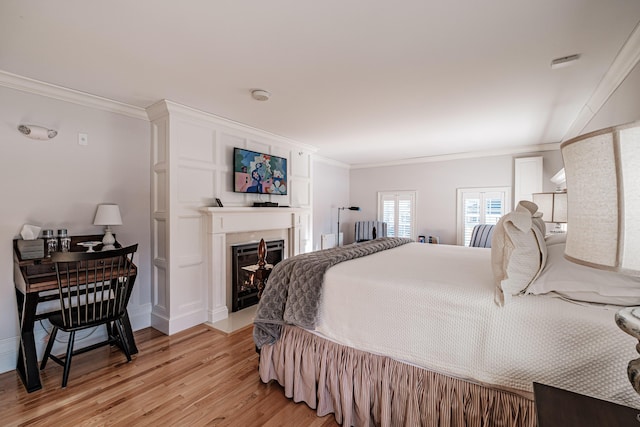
x: 35, y: 282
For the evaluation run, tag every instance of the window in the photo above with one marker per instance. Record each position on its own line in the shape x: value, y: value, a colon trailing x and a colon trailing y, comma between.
x: 480, y: 206
x: 397, y: 209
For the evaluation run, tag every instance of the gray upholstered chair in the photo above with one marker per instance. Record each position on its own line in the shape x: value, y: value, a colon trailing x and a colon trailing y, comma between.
x: 481, y: 236
x: 369, y: 230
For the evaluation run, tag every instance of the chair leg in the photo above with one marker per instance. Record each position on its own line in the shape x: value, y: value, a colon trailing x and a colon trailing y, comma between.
x: 47, y: 352
x: 123, y: 339
x: 67, y: 360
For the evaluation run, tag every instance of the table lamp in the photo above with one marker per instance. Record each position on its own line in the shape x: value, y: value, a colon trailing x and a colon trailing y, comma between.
x: 603, y: 209
x: 108, y: 215
x: 553, y: 207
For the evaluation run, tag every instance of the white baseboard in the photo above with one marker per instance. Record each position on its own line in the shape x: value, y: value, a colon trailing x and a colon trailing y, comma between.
x: 217, y: 314
x: 170, y: 326
x: 8, y: 354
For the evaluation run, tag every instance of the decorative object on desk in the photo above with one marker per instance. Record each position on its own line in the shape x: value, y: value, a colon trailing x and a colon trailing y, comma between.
x: 421, y: 239
x: 434, y: 240
x: 351, y: 208
x: 219, y: 203
x: 64, y: 241
x: 108, y: 214
x: 603, y: 188
x: 51, y: 241
x: 553, y: 207
x: 31, y: 249
x: 90, y: 245
x: 30, y: 232
x: 37, y: 132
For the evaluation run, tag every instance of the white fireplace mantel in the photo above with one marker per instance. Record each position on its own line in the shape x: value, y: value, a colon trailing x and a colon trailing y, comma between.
x: 223, y: 221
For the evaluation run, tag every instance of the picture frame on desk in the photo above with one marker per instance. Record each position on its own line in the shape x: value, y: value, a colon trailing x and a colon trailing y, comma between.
x: 421, y: 239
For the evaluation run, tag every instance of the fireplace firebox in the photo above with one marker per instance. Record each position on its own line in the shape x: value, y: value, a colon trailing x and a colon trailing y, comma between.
x: 244, y: 260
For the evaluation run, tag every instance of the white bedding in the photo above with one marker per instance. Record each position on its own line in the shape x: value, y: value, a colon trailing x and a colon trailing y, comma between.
x: 433, y: 306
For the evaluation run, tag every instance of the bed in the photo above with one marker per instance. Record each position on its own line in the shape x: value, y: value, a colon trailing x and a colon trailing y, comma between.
x: 412, y: 335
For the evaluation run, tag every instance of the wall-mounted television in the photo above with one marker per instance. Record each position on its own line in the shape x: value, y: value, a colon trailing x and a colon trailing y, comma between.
x: 259, y: 173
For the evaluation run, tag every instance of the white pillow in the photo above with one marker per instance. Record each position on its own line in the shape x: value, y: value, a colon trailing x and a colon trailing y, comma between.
x: 582, y: 283
x: 518, y: 251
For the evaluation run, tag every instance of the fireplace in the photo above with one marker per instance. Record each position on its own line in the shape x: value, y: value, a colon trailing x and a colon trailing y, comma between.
x: 234, y: 225
x: 244, y: 259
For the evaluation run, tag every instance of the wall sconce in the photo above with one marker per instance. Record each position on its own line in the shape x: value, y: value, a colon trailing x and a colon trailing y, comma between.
x: 351, y: 208
x: 37, y: 132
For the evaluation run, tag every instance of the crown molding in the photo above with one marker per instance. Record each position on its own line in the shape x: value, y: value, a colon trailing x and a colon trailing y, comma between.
x: 469, y: 155
x: 627, y: 58
x: 166, y: 107
x: 331, y: 162
x: 61, y: 93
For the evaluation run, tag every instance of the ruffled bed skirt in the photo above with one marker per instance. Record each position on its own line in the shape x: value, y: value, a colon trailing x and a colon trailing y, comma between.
x: 364, y: 389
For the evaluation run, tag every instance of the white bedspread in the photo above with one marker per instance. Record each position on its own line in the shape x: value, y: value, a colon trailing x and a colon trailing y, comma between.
x: 432, y: 306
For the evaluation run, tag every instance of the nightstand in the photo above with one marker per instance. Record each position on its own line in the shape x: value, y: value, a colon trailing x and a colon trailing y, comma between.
x: 561, y: 408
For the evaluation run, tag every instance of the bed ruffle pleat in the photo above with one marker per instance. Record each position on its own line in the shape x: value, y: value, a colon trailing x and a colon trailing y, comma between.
x: 363, y: 389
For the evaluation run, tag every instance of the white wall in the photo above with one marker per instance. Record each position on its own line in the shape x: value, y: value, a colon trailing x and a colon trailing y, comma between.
x: 436, y: 184
x: 58, y: 184
x: 331, y: 191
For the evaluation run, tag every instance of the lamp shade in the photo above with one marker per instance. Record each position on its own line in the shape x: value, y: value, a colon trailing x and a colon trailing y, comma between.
x: 552, y: 205
x: 108, y: 214
x: 603, y: 188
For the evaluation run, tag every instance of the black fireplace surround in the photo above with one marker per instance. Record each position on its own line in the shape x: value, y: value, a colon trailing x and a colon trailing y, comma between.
x: 244, y: 260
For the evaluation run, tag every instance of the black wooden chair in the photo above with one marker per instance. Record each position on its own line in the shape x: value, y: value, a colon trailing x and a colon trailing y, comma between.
x: 94, y: 289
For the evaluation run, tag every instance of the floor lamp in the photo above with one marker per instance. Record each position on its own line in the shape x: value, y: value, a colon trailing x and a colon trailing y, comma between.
x: 351, y: 208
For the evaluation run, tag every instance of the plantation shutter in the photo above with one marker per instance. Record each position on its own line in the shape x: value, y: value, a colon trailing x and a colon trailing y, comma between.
x: 480, y: 206
x: 397, y: 209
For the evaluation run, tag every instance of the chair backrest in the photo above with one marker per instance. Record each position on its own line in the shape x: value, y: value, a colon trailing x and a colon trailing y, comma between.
x: 94, y: 287
x: 369, y: 230
x: 481, y: 236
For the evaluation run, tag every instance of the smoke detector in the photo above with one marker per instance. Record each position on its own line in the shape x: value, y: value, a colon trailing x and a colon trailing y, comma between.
x: 260, y: 95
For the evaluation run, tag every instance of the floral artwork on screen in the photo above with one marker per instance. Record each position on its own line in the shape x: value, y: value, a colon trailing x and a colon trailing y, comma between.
x: 259, y: 172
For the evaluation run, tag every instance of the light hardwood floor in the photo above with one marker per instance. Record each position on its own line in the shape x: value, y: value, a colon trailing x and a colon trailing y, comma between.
x: 196, y: 377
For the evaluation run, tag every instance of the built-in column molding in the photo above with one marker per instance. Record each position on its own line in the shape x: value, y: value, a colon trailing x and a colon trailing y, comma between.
x: 192, y: 165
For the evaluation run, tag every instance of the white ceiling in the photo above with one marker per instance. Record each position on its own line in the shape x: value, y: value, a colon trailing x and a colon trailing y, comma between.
x: 363, y: 81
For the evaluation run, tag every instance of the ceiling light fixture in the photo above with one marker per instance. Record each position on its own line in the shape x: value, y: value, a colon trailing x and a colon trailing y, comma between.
x: 260, y: 95
x: 564, y: 61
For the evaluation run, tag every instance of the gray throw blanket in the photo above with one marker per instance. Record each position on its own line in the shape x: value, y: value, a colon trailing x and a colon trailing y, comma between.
x: 294, y: 287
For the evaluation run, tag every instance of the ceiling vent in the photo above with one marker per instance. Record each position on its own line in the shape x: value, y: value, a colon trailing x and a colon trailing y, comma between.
x: 564, y: 61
